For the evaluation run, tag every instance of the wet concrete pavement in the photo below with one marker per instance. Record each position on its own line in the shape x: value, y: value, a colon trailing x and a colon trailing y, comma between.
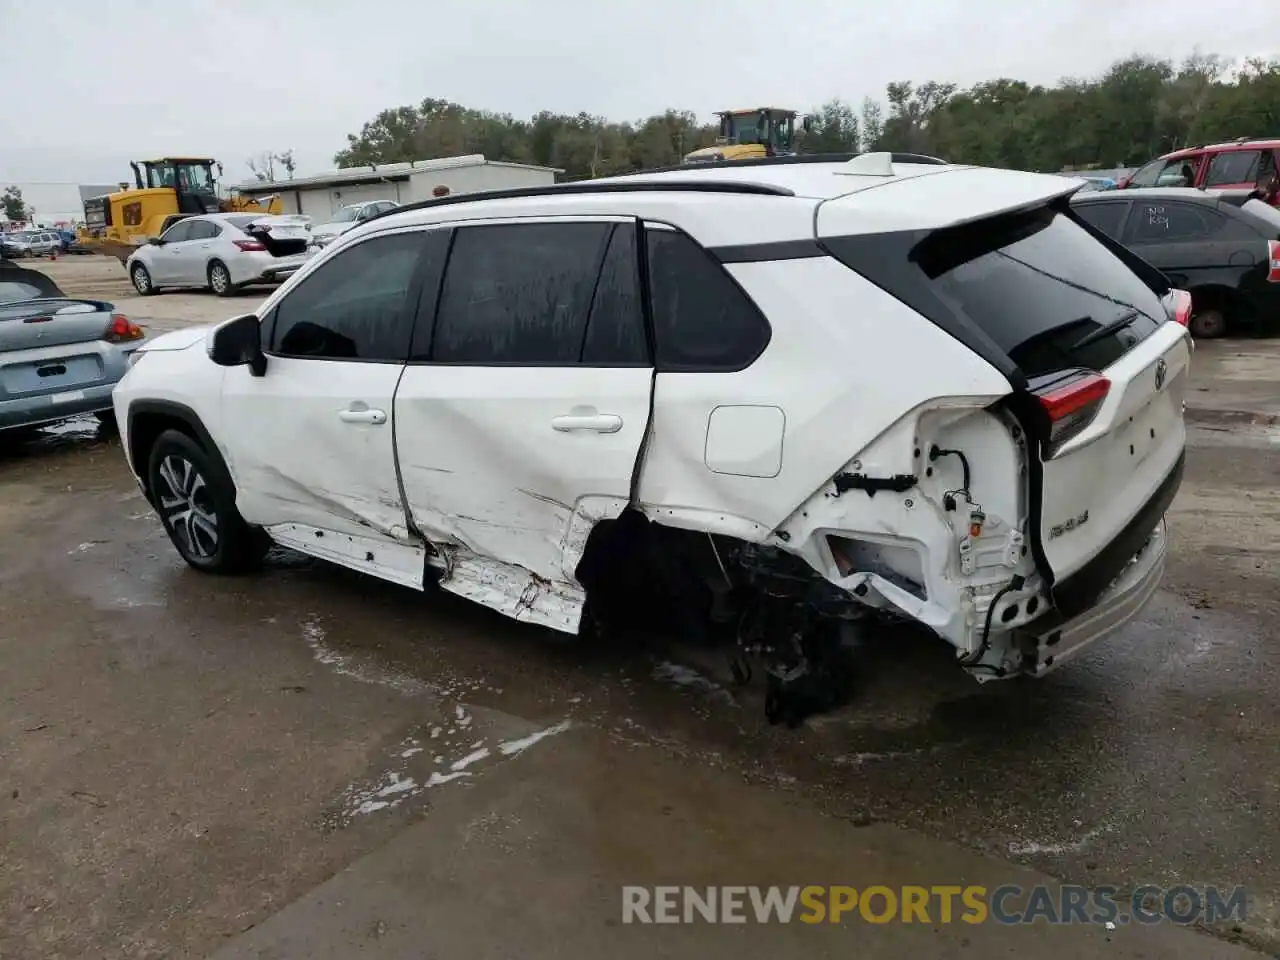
x: 183, y: 756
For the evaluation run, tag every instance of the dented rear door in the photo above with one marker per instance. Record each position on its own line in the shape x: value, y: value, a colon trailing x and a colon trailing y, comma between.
x: 524, y: 406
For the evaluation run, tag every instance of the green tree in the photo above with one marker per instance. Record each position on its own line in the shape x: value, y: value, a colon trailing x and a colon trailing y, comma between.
x: 1139, y: 108
x: 14, y: 207
x: 833, y: 129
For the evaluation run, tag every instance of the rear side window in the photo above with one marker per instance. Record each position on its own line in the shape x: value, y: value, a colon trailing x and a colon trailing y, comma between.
x: 353, y: 307
x: 11, y: 291
x: 1106, y: 215
x: 1159, y: 221
x: 519, y: 293
x: 702, y: 319
x: 1233, y: 166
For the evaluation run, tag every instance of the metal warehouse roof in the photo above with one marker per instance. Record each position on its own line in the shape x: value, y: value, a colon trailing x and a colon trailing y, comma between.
x: 383, y: 171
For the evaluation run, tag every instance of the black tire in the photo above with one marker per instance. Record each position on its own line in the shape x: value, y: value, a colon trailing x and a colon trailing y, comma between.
x: 196, y: 500
x: 141, y: 278
x: 220, y: 279
x: 1208, y: 324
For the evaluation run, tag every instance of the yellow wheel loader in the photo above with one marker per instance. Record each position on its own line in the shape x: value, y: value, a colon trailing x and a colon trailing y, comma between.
x: 164, y: 191
x: 751, y: 133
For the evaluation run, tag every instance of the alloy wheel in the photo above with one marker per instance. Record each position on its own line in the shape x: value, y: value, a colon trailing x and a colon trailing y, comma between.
x: 219, y: 279
x: 141, y: 279
x: 186, y: 504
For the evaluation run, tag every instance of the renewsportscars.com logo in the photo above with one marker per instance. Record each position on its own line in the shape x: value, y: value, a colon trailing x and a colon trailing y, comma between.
x: 1009, y: 904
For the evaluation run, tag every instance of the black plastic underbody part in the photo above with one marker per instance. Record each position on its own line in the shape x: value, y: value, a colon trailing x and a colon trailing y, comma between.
x: 898, y: 483
x: 1078, y: 592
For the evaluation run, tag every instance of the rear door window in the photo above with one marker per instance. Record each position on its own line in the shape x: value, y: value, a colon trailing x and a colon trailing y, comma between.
x: 615, y: 329
x: 1233, y: 166
x: 1104, y: 215
x: 1160, y: 221
x: 519, y: 293
x: 178, y: 232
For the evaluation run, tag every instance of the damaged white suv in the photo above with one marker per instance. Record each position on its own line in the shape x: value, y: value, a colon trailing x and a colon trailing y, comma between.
x: 775, y: 395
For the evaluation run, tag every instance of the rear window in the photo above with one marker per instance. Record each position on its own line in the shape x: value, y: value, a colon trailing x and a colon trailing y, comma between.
x: 11, y: 291
x: 1036, y: 285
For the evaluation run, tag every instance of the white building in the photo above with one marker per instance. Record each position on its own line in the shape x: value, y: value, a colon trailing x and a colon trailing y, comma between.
x: 320, y: 196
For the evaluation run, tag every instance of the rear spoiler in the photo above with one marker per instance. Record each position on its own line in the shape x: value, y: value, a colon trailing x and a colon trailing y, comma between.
x: 1238, y: 198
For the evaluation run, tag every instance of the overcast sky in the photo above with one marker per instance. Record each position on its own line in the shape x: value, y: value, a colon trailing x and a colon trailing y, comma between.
x: 91, y: 84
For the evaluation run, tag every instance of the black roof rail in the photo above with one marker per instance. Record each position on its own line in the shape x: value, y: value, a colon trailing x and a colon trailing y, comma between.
x: 598, y: 186
x: 792, y: 159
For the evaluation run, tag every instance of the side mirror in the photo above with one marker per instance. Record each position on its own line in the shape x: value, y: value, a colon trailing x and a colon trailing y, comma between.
x: 155, y: 241
x: 238, y: 343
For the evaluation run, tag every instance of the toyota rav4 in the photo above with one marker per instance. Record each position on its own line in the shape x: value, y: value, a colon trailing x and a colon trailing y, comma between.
x: 795, y: 396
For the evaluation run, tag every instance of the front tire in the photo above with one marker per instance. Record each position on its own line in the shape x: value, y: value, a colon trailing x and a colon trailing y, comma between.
x: 142, y: 282
x: 220, y: 279
x: 196, y: 500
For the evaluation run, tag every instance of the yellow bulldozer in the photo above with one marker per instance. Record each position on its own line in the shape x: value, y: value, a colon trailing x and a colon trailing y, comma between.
x: 751, y: 133
x: 164, y: 191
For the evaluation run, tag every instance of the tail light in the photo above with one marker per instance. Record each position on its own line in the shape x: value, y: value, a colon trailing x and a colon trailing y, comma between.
x: 1180, y: 306
x: 249, y: 246
x: 1069, y: 404
x: 1273, y: 261
x: 121, y: 330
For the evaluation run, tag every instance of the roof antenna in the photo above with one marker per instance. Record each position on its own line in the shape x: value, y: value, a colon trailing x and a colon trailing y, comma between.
x: 869, y: 165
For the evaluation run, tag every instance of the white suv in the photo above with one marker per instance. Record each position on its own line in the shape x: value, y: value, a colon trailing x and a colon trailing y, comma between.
x: 786, y: 392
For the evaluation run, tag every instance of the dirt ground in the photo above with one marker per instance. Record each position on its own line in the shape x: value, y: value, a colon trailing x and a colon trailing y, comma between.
x: 308, y: 763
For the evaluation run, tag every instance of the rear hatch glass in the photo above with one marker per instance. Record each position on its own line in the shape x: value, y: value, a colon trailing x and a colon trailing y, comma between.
x: 1048, y: 293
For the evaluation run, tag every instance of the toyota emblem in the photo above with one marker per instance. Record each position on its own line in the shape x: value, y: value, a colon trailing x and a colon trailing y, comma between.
x: 1161, y: 369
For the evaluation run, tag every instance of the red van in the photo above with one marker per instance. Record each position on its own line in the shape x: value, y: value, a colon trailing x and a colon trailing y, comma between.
x: 1242, y: 164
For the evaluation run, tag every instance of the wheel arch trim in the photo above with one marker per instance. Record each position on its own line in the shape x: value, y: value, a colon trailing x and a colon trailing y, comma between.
x: 169, y: 409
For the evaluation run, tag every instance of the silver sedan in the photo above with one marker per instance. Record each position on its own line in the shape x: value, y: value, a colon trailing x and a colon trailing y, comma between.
x: 221, y: 252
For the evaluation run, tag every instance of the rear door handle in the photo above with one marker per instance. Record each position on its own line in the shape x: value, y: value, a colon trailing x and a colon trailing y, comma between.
x: 596, y: 423
x: 363, y: 416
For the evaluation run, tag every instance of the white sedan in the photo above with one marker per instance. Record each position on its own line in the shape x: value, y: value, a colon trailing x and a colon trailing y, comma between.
x: 221, y: 252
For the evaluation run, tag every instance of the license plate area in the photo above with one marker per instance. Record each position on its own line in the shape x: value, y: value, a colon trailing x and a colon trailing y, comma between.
x: 43, y: 375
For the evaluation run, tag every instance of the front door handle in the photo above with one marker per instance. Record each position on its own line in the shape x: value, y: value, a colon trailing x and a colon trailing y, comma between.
x: 596, y: 423
x: 363, y: 416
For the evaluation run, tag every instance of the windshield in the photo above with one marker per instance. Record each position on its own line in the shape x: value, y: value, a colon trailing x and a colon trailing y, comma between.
x: 742, y: 128
x: 194, y: 178
x: 346, y: 215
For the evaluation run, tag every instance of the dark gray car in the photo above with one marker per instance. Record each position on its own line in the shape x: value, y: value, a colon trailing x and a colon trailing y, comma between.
x: 1221, y: 246
x: 59, y: 356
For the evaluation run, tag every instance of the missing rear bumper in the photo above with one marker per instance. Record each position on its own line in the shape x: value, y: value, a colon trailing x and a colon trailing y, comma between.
x: 1055, y: 642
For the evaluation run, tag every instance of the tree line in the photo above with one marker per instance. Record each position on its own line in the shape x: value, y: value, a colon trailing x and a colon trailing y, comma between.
x: 1138, y: 109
